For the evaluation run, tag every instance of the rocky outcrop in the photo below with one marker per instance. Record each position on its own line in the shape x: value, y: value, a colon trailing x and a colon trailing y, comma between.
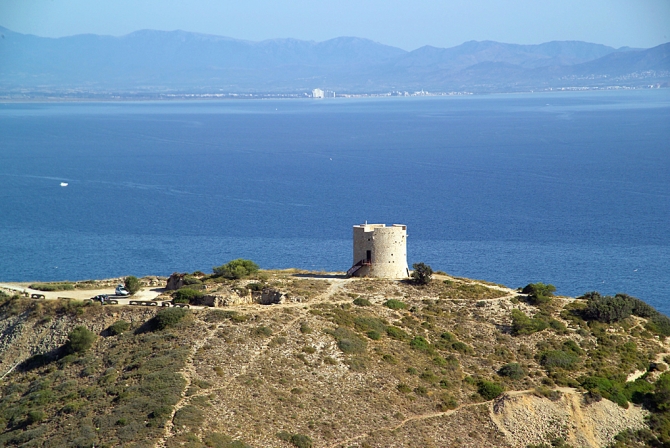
x: 528, y: 419
x: 232, y: 297
x: 269, y: 296
x: 175, y: 281
x: 219, y: 299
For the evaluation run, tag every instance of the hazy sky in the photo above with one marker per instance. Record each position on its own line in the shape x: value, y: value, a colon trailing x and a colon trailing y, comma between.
x: 408, y: 24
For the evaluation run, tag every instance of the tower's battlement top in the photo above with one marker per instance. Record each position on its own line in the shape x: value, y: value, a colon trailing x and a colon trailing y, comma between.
x: 371, y: 227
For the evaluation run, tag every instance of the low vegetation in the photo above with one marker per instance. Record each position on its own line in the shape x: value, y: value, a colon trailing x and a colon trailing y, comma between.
x: 539, y: 293
x: 236, y: 269
x: 119, y: 396
x: 79, y: 340
x: 61, y: 286
x: 422, y: 274
x: 187, y: 295
x: 169, y: 317
x: 132, y: 284
x: 353, y: 361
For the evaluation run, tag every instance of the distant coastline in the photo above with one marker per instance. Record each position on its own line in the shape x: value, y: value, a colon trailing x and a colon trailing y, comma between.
x: 159, y: 97
x: 151, y: 64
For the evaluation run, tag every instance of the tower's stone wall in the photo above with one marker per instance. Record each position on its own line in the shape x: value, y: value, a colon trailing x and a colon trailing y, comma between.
x: 381, y: 250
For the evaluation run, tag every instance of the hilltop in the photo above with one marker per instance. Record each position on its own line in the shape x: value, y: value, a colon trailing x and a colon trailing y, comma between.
x: 334, y: 362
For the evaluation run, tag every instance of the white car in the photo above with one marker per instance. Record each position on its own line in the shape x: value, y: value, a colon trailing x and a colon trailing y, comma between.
x: 121, y: 291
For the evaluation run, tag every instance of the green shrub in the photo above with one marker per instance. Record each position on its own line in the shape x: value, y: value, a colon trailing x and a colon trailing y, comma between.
x: 447, y: 402
x: 58, y: 286
x: 132, y: 284
x: 305, y: 329
x: 301, y: 441
x: 539, y: 293
x: 395, y: 304
x: 191, y: 280
x: 553, y: 395
x: 374, y: 335
x: 236, y: 269
x: 218, y: 440
x: 297, y: 440
x: 512, y: 370
x: 189, y: 416
x: 35, y: 417
x: 659, y: 324
x: 365, y: 323
x: 262, y: 331
x: 422, y: 274
x: 403, y: 388
x: 607, y: 309
x: 448, y: 337
x: 362, y: 302
x: 118, y: 327
x: 421, y: 344
x: 348, y: 341
x: 421, y: 391
x: 557, y: 326
x: 428, y: 376
x: 616, y: 391
x: 187, y: 295
x: 221, y: 315
x: 169, y: 317
x: 79, y: 340
x: 610, y: 309
x: 396, y: 333
x: 524, y: 325
x: 558, y: 358
x: 461, y: 347
x: 489, y: 390
x: 572, y: 346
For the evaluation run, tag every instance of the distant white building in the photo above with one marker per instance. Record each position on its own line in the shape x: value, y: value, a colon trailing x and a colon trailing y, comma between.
x: 317, y: 93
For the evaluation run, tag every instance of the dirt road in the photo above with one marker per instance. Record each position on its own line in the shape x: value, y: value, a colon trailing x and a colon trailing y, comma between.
x: 82, y: 294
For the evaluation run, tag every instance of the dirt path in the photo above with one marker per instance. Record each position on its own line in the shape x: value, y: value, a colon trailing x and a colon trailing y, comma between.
x: 413, y: 418
x: 429, y: 415
x: 189, y: 372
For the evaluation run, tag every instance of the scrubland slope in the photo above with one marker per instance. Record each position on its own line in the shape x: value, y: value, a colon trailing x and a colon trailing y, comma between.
x: 350, y: 362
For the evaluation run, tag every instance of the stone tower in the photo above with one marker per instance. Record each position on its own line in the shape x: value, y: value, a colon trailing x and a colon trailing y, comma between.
x: 380, y: 251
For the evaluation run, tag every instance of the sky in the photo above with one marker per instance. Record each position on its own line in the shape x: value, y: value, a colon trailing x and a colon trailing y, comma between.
x: 408, y: 24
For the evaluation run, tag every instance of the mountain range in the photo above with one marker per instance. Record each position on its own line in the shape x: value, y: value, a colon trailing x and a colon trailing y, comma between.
x: 154, y: 62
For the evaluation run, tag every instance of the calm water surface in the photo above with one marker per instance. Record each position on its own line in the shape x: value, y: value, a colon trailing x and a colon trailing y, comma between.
x: 571, y: 189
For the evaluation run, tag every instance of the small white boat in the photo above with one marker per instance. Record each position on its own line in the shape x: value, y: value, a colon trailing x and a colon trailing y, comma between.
x: 63, y: 184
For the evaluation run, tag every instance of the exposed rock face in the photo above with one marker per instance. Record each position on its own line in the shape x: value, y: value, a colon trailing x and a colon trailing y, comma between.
x: 223, y: 299
x: 528, y: 419
x: 230, y: 297
x: 269, y: 296
x: 175, y: 281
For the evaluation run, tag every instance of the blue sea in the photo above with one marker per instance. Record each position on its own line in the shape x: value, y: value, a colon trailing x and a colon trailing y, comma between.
x: 571, y: 189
